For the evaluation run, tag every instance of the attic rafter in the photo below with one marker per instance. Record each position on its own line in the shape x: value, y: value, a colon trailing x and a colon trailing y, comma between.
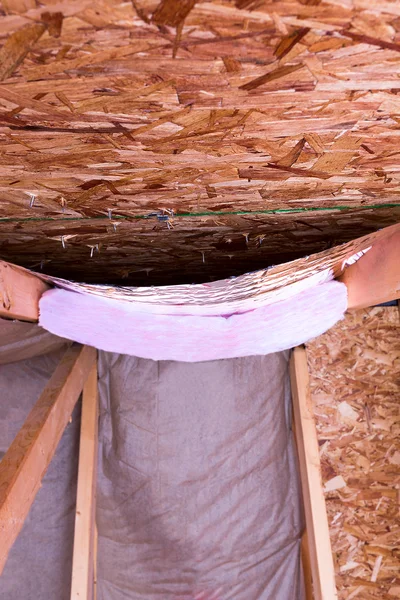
x: 27, y: 459
x: 20, y: 292
x: 375, y: 277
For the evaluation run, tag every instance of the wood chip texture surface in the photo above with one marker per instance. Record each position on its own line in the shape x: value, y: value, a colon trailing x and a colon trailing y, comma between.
x: 355, y: 384
x: 152, y: 142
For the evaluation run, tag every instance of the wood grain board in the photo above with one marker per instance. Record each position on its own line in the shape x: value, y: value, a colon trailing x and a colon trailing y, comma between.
x: 20, y: 292
x: 317, y: 545
x: 27, y: 459
x: 85, y: 539
x: 376, y: 279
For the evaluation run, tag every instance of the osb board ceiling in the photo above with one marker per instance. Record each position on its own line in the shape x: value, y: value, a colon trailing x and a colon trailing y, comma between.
x: 146, y: 142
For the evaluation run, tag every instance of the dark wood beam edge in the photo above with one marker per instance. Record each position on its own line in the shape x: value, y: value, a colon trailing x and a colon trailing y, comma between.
x: 20, y: 292
x: 375, y: 277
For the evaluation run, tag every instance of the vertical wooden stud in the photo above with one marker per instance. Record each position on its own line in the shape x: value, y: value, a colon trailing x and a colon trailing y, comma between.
x: 83, y: 568
x: 305, y: 560
x: 95, y: 563
x: 319, y: 544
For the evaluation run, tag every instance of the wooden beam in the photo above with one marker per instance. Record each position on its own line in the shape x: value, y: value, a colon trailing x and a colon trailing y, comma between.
x: 375, y: 277
x: 96, y: 538
x: 319, y: 545
x: 20, y: 292
x: 305, y: 559
x: 83, y: 567
x: 25, y: 463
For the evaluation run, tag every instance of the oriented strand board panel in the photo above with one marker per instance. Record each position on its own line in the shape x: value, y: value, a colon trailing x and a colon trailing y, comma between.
x: 150, y: 142
x: 355, y: 385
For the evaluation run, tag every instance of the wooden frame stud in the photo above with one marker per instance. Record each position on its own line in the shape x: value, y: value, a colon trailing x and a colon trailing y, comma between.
x: 25, y: 463
x: 85, y: 540
x: 317, y: 556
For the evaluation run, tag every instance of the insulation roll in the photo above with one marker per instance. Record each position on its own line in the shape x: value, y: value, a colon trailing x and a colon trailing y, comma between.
x: 117, y: 325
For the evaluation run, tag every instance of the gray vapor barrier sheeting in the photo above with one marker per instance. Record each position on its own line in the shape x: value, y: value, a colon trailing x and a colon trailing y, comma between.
x: 198, y: 492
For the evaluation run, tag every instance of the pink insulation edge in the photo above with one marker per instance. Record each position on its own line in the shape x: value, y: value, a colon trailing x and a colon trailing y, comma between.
x: 123, y: 327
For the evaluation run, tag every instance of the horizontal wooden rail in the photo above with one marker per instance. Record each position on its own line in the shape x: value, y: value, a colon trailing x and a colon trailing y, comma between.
x: 20, y: 292
x: 318, y: 556
x: 25, y: 463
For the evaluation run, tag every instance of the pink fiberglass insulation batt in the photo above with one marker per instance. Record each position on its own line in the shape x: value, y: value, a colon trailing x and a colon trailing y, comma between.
x: 119, y: 326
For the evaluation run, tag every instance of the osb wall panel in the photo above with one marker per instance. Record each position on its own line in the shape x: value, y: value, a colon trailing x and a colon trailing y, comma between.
x: 355, y: 383
x: 142, y: 128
